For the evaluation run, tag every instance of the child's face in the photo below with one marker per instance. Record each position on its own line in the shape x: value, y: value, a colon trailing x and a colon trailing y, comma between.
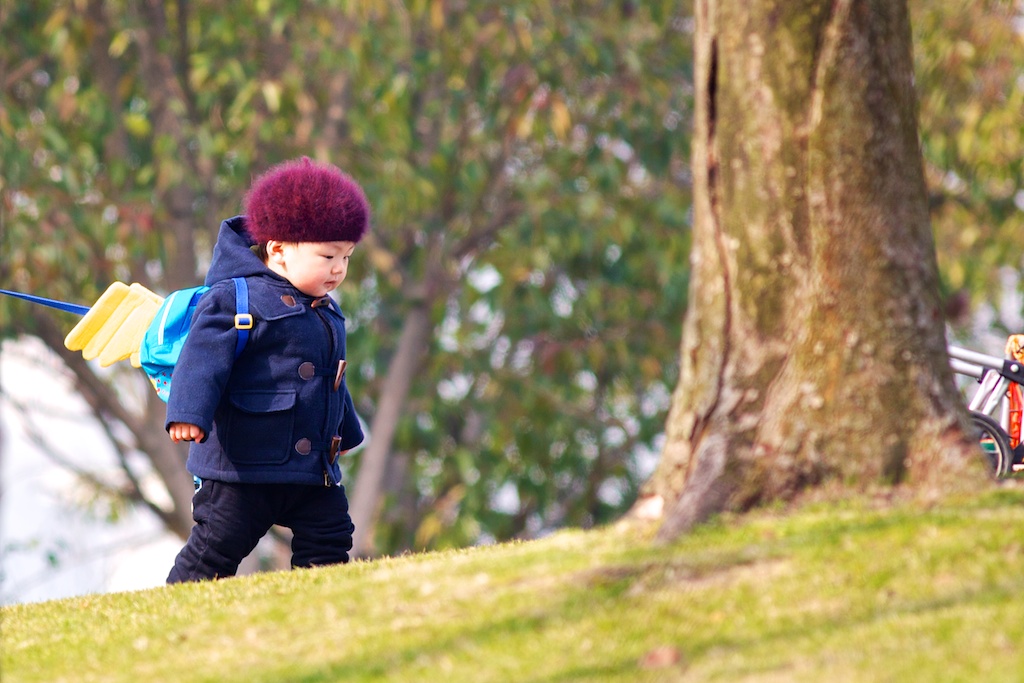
x: 313, y: 268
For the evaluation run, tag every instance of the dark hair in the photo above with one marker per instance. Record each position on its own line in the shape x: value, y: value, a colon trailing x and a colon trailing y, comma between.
x: 260, y: 249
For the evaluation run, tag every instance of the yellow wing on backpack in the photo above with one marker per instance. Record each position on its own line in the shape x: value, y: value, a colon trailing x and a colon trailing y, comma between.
x: 113, y: 328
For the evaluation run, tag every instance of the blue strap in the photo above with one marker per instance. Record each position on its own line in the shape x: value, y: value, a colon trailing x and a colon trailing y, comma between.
x: 243, y: 319
x: 52, y: 303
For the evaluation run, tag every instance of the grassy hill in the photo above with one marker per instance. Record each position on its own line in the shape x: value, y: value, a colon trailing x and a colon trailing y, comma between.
x: 854, y: 591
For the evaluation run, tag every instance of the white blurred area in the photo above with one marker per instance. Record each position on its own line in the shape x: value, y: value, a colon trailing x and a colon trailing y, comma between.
x: 56, y: 541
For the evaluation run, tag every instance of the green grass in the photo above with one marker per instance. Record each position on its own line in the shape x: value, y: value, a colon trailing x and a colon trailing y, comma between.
x: 852, y: 591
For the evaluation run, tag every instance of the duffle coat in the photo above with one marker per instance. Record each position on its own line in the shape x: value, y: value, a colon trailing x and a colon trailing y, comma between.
x: 277, y: 413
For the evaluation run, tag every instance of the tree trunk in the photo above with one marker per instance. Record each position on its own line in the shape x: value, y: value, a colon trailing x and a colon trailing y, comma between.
x: 366, y: 495
x: 814, y: 344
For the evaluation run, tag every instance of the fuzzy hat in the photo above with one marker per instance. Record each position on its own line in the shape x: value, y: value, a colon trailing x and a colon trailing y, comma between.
x: 303, y: 201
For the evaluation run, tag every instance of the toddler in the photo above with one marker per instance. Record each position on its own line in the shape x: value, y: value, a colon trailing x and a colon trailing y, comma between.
x: 267, y: 428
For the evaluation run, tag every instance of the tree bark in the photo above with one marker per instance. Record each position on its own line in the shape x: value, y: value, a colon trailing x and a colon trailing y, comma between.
x: 814, y: 343
x: 366, y: 496
x: 168, y: 98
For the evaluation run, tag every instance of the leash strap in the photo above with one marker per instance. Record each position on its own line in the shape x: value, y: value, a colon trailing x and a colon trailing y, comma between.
x: 52, y: 303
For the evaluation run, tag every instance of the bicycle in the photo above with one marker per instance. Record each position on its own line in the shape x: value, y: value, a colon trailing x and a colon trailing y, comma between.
x: 999, y: 388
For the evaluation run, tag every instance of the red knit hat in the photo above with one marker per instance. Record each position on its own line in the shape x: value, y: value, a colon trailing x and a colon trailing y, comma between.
x: 303, y: 201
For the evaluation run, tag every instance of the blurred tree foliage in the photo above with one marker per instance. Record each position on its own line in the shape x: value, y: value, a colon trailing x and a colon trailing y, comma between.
x: 969, y: 61
x: 515, y: 313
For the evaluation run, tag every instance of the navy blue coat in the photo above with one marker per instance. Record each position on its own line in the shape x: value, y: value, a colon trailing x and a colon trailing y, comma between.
x: 271, y: 415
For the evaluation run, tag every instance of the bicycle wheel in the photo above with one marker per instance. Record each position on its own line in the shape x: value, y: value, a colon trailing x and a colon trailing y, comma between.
x: 995, y: 442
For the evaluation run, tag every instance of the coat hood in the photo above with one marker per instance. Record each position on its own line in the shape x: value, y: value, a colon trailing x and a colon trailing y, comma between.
x: 232, y: 256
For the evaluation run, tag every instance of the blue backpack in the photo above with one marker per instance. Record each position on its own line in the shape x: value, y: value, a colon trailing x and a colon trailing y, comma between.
x: 166, y: 335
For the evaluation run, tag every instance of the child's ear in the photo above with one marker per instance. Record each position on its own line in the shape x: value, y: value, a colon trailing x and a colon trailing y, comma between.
x: 275, y: 250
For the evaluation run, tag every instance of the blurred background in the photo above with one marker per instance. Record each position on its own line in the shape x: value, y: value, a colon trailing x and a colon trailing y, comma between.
x: 514, y: 316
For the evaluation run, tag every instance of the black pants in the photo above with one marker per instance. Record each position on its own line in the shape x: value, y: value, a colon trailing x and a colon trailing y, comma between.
x: 232, y: 518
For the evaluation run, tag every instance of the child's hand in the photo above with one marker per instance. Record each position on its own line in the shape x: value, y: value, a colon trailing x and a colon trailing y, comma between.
x: 182, y: 431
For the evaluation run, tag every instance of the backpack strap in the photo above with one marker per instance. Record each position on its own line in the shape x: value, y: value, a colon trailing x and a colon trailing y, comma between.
x: 243, y: 318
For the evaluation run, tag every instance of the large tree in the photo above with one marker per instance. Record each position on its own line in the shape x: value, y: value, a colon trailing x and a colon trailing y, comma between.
x: 814, y: 342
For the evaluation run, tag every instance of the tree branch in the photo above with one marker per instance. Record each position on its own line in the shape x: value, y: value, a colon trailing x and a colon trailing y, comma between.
x: 147, y: 429
x: 108, y: 75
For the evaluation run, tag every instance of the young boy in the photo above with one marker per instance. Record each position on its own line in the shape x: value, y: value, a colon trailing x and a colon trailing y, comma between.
x: 268, y: 427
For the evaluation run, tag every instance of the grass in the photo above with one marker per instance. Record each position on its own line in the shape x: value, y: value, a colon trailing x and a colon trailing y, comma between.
x: 852, y: 591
